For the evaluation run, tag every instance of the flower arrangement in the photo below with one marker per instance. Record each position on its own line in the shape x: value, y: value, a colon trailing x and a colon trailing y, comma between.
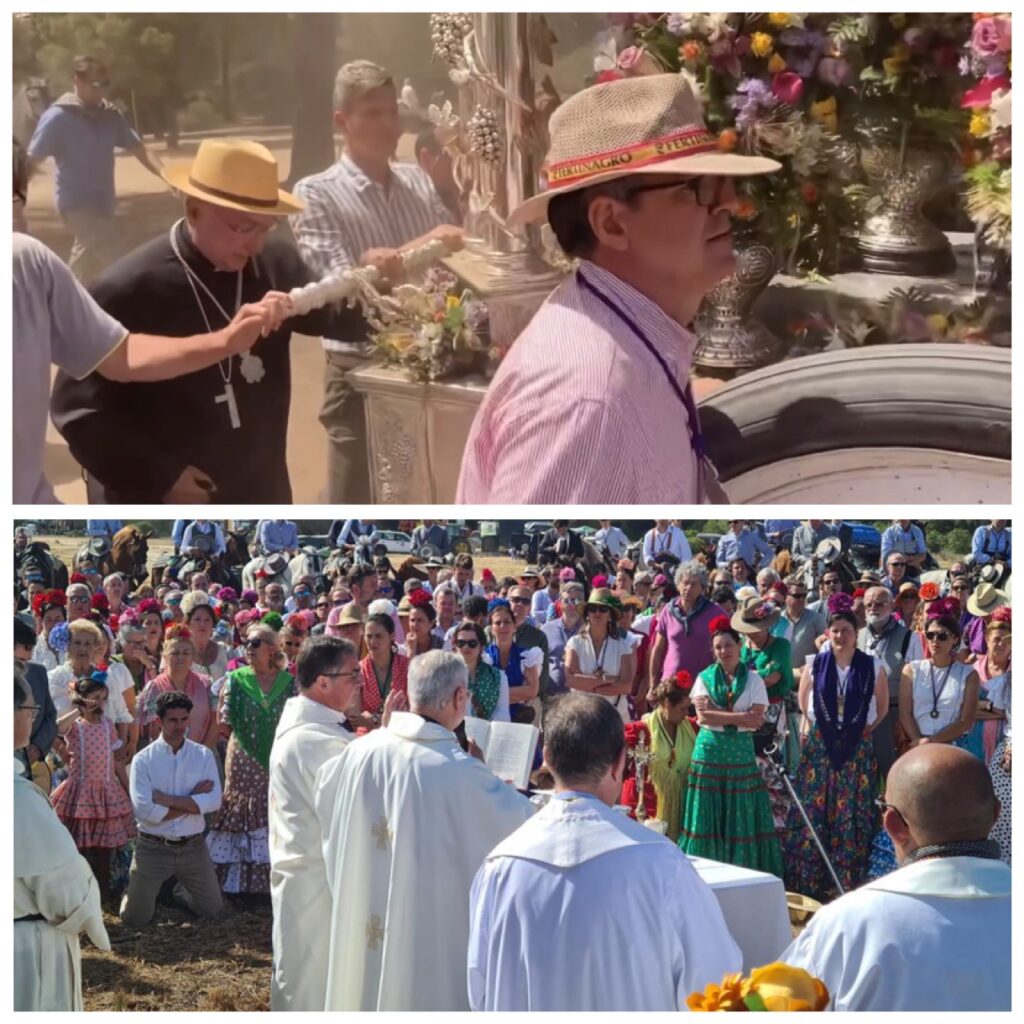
x: 771, y: 84
x: 775, y: 988
x: 988, y: 177
x: 432, y: 330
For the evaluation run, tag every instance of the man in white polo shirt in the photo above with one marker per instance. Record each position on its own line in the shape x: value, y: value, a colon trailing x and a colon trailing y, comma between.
x: 364, y: 209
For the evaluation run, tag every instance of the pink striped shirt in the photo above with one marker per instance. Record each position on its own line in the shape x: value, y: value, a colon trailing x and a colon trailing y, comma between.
x: 580, y: 411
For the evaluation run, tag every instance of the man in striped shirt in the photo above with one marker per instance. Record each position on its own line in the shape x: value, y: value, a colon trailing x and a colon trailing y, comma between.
x: 364, y: 209
x: 593, y: 404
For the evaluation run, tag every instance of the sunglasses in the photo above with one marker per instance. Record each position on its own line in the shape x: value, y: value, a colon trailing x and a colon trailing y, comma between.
x: 941, y: 635
x: 831, y: 581
x: 518, y: 600
x: 897, y: 563
x: 883, y: 806
x: 471, y: 645
x: 79, y: 599
x: 253, y: 644
x: 322, y: 605
x: 961, y: 590
x: 591, y: 608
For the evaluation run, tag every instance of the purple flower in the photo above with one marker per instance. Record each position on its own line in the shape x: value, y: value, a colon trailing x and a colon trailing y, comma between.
x: 753, y: 98
x: 476, y: 314
x: 839, y: 603
x: 679, y: 24
x: 991, y: 36
x: 834, y: 71
x: 723, y: 56
x: 805, y: 48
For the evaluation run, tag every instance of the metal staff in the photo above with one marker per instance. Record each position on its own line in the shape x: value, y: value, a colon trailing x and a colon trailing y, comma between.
x: 778, y: 765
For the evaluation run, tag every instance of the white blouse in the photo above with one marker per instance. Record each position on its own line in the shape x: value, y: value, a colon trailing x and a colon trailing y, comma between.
x: 999, y: 692
x: 949, y: 691
x: 753, y: 693
x: 116, y: 710
x: 844, y: 675
x: 608, y: 659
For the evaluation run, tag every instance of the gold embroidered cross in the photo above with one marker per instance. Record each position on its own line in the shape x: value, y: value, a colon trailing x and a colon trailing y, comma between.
x: 382, y: 833
x: 374, y: 932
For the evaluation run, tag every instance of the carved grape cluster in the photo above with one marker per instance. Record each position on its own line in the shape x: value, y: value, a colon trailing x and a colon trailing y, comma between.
x: 446, y: 33
x: 483, y: 135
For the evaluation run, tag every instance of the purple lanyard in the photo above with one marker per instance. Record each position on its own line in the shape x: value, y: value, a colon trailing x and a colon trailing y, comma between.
x: 685, y: 395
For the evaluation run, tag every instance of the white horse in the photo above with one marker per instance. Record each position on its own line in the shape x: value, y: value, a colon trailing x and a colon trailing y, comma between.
x: 284, y: 576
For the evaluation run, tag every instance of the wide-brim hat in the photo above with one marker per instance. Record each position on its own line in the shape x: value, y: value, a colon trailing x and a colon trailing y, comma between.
x: 435, y: 562
x: 651, y: 124
x: 755, y: 615
x: 829, y: 549
x: 990, y: 574
x: 985, y: 600
x: 602, y: 597
x: 234, y: 173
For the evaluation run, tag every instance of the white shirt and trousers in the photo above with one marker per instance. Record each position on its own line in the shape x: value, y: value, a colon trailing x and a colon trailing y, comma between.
x: 176, y: 847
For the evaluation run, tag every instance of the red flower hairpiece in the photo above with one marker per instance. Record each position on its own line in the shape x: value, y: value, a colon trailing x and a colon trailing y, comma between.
x: 100, y: 601
x: 49, y: 599
x: 719, y: 624
x: 599, y: 581
x: 1002, y: 614
x: 946, y: 607
x: 148, y: 606
x: 178, y: 631
x: 683, y: 678
x: 859, y: 592
x: 419, y: 597
x: 929, y: 591
x: 77, y: 577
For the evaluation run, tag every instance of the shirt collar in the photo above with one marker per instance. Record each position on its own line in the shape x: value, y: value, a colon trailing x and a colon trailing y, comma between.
x: 670, y: 339
x: 360, y: 179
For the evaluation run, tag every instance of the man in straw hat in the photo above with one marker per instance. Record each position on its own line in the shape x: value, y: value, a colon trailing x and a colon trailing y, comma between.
x: 230, y: 441
x: 639, y: 191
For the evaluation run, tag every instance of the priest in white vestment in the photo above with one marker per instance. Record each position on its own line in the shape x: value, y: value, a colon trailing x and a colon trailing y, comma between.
x: 583, y: 908
x: 407, y: 819
x: 935, y: 933
x: 312, y: 729
x: 55, y: 892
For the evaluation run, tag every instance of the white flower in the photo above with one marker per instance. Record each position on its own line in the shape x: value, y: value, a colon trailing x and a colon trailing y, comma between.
x: 460, y: 76
x: 714, y: 25
x: 1000, y: 110
x: 606, y: 51
x: 442, y: 117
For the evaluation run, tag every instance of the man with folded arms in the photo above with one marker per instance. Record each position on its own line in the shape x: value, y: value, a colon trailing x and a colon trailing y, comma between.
x: 615, y: 917
x: 174, y: 782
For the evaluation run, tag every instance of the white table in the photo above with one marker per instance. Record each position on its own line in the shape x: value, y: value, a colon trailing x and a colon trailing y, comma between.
x: 754, y: 905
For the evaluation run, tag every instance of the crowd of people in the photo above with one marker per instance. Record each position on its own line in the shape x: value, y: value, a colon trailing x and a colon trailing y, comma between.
x: 198, y: 744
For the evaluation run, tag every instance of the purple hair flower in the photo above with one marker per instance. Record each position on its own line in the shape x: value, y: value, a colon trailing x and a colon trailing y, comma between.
x: 840, y: 603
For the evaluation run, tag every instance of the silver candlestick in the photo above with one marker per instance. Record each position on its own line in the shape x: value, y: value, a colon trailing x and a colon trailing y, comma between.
x: 642, y: 755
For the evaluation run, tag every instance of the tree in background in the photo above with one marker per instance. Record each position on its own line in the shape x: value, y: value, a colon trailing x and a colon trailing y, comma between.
x: 315, y: 59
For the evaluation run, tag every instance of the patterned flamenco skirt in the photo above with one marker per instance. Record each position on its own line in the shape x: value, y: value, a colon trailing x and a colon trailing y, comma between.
x: 238, y: 837
x: 726, y: 814
x: 98, y: 814
x: 841, y: 807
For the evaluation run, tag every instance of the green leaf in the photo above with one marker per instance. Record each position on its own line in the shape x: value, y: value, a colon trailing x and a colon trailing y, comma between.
x: 755, y: 1003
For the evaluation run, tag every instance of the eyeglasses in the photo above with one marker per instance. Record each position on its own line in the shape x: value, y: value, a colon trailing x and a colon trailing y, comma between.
x: 798, y: 597
x: 471, y: 645
x: 876, y: 604
x: 883, y: 806
x: 940, y: 635
x: 592, y: 608
x: 322, y: 605
x: 706, y: 189
x: 831, y: 581
x: 79, y: 599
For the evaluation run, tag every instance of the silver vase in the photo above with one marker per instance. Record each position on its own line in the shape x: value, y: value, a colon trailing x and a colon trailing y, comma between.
x: 896, y: 237
x: 728, y: 336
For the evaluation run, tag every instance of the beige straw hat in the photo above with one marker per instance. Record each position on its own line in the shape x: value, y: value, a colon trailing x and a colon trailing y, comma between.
x: 985, y: 600
x: 233, y: 173
x: 652, y: 124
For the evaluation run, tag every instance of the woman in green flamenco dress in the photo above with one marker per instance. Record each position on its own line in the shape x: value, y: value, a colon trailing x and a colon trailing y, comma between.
x: 726, y: 814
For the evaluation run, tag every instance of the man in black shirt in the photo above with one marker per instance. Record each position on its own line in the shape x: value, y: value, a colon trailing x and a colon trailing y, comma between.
x: 560, y: 544
x: 228, y: 443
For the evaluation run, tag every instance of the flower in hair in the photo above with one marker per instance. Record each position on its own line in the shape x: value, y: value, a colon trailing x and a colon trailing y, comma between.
x: 100, y: 601
x: 599, y: 581
x: 179, y: 631
x: 719, y: 624
x: 929, y: 591
x: 77, y: 577
x: 840, y: 603
x: 60, y: 636
x: 946, y: 607
x: 683, y: 679
x: 1002, y: 614
x: 419, y: 597
x: 48, y: 599
x: 228, y: 594
x: 99, y: 676
x: 495, y: 603
x: 147, y: 607
x: 273, y: 620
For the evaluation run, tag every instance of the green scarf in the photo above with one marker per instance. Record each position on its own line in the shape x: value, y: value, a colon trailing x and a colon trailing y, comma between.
x: 775, y: 657
x: 485, y: 689
x: 253, y: 714
x: 724, y: 697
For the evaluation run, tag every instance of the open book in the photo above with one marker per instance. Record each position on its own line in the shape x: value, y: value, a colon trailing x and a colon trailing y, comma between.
x: 508, y: 748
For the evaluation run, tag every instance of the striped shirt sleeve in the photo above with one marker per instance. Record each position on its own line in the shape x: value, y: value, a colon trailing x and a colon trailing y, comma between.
x: 322, y: 241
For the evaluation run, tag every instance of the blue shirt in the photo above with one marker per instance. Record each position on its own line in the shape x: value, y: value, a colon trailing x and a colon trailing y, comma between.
x: 178, y: 532
x: 82, y: 141
x: 278, y: 535
x: 903, y: 542
x: 987, y: 544
x: 103, y: 527
x: 780, y: 525
x: 355, y: 528
x: 748, y: 546
x: 211, y: 530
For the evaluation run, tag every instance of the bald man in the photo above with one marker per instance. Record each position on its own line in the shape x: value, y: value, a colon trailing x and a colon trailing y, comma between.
x: 935, y: 933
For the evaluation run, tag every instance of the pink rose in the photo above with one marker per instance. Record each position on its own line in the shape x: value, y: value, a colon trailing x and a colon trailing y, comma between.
x: 788, y: 87
x: 991, y: 36
x: 630, y: 58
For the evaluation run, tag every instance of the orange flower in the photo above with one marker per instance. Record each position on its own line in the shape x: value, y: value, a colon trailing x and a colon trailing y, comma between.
x: 728, y: 996
x: 744, y: 209
x: 691, y: 50
x: 783, y: 988
x: 727, y: 139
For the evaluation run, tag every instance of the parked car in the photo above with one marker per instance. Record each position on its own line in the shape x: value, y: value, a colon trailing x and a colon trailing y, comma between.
x: 396, y: 542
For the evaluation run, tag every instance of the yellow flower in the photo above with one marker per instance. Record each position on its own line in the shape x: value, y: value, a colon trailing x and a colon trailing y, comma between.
x: 776, y: 64
x: 980, y: 123
x: 897, y: 20
x: 824, y: 113
x: 400, y: 339
x: 453, y: 302
x: 761, y: 44
x: 939, y: 323
x: 728, y: 996
x: 782, y: 988
x: 779, y: 20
